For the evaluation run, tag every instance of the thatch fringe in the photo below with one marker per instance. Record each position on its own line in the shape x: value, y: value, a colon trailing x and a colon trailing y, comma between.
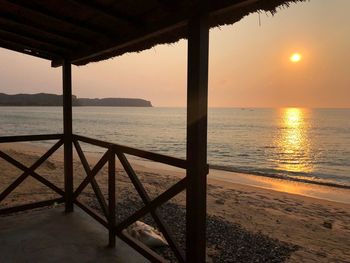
x: 227, y: 16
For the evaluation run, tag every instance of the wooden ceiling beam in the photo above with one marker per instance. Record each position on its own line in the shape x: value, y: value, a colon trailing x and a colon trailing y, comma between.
x: 168, y: 5
x: 37, y: 10
x: 28, y: 50
x: 21, y: 32
x: 41, y: 28
x: 113, y: 14
x: 173, y: 23
x: 88, y: 54
x: 38, y: 44
x: 223, y: 9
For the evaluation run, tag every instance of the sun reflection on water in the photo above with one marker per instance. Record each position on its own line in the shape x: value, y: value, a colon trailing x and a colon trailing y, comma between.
x: 293, y: 143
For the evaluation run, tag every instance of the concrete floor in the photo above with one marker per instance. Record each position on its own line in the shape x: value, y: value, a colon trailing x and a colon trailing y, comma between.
x: 50, y: 235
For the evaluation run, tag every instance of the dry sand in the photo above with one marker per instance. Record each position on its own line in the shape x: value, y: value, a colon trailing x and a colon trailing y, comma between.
x: 277, y: 208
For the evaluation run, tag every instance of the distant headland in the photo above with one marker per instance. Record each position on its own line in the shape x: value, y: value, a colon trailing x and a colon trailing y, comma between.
x: 45, y: 99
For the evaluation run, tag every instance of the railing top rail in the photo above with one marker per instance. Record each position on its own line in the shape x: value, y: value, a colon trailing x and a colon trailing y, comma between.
x: 30, y: 138
x: 172, y: 161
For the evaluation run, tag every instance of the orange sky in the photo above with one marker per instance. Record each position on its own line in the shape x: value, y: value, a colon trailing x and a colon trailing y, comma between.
x: 249, y: 64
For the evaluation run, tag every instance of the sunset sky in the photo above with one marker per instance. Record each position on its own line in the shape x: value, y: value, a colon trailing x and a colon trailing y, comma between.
x: 300, y: 58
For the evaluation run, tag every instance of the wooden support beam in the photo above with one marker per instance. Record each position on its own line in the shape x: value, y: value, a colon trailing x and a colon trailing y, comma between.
x: 176, y: 162
x: 141, y: 248
x: 94, y: 183
x: 111, y: 198
x: 197, y: 107
x: 30, y: 172
x: 26, y: 173
x: 155, y: 214
x: 91, y: 175
x: 30, y: 138
x: 92, y: 213
x: 21, y: 208
x: 68, y: 134
x: 152, y: 205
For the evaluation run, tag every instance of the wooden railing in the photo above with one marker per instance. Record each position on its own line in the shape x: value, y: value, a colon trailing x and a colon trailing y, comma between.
x: 30, y: 171
x: 108, y: 207
x: 150, y: 206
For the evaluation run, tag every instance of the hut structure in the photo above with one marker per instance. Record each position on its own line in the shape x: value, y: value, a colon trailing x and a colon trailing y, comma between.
x: 78, y: 32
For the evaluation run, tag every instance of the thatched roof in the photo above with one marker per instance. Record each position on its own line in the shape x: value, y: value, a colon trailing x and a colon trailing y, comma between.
x: 85, y: 31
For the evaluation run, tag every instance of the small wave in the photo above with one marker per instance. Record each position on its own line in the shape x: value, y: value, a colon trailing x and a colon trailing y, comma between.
x: 320, y: 179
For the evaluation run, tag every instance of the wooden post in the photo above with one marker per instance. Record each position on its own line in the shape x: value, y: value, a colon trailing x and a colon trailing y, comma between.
x: 197, y: 109
x: 111, y: 197
x: 67, y: 130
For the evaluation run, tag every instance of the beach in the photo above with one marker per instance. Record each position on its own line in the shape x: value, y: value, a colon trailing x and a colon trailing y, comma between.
x: 319, y: 227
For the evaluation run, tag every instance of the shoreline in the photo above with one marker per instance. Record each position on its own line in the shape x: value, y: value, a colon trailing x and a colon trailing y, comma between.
x: 318, y: 190
x: 281, y: 177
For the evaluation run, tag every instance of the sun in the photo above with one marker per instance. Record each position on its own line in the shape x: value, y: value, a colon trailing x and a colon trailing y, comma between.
x: 295, y: 57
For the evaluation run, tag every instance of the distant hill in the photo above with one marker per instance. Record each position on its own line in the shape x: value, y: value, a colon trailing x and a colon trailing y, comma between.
x: 45, y: 99
x: 121, y: 102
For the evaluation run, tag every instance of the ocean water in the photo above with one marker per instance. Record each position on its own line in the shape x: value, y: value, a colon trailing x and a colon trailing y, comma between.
x: 292, y: 143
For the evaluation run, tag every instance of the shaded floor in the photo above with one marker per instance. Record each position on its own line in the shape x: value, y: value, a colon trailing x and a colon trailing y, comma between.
x: 51, y: 236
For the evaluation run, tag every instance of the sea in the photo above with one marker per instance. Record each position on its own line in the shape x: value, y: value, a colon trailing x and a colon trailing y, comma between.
x: 311, y: 145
